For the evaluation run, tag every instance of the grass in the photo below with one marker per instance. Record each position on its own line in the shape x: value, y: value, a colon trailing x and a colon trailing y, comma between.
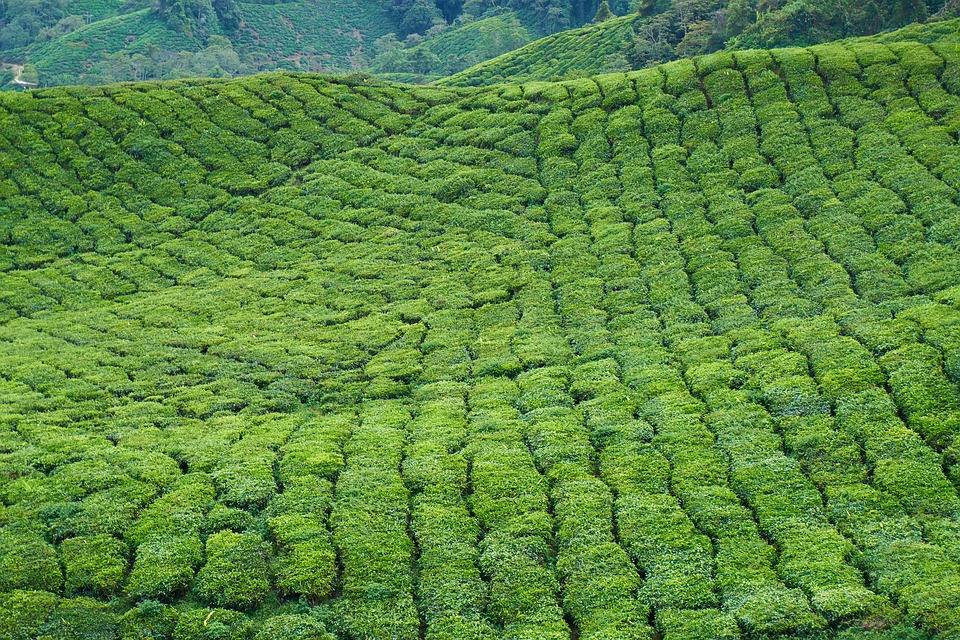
x: 669, y: 352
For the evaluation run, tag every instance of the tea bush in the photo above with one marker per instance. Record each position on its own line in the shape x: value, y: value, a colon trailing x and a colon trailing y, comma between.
x: 668, y: 353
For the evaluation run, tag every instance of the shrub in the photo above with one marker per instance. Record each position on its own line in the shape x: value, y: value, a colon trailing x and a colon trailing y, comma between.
x: 213, y: 624
x: 96, y: 564
x: 164, y: 567
x: 148, y: 620
x: 292, y: 627
x: 235, y: 573
x: 23, y: 614
x: 305, y: 563
x: 27, y: 561
x: 82, y: 618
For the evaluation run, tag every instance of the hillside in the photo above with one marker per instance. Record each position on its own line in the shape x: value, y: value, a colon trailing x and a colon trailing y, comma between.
x: 590, y: 50
x: 612, y: 46
x: 667, y: 354
x: 141, y: 44
x: 58, y: 42
x: 97, y: 41
x: 452, y: 50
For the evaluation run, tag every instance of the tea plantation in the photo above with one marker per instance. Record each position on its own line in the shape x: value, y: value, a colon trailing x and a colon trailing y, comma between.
x: 671, y: 354
x: 584, y: 51
x: 611, y: 46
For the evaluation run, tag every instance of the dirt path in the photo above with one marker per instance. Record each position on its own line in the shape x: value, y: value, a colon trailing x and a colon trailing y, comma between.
x: 17, y: 74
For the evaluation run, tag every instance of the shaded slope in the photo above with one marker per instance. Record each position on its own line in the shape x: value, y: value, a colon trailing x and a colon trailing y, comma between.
x: 589, y: 50
x: 86, y: 50
x: 292, y: 35
x: 453, y: 49
x: 581, y: 51
x: 673, y: 348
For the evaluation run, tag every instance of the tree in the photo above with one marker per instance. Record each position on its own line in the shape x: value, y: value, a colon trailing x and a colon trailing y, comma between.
x: 30, y: 74
x: 388, y: 53
x: 450, y: 9
x: 556, y: 20
x: 615, y: 62
x: 229, y: 14
x: 652, y: 44
x: 697, y: 39
x: 191, y: 17
x: 949, y: 10
x: 420, y: 17
x: 424, y: 61
x: 603, y: 12
x: 737, y: 16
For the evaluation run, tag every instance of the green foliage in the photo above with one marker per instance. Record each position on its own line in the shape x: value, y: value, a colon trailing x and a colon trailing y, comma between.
x: 603, y: 12
x: 27, y: 561
x: 96, y: 563
x: 664, y: 31
x: 164, y: 566
x: 212, y: 624
x: 149, y: 619
x: 292, y: 627
x: 573, y: 53
x: 667, y: 353
x: 24, y: 613
x: 235, y: 573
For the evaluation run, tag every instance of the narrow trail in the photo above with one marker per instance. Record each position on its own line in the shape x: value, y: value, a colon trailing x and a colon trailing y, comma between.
x: 17, y: 74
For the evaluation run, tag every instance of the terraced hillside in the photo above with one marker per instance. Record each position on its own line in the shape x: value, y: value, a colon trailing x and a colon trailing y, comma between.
x: 669, y: 354
x: 292, y: 35
x: 596, y: 48
x: 583, y: 51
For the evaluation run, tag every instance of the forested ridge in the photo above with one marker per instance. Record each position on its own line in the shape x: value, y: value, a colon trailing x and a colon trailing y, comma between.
x: 669, y: 354
x: 97, y: 41
x: 58, y: 42
x: 656, y: 34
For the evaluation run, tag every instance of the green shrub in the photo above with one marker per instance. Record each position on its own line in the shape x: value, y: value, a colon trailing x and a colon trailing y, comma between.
x: 23, y: 614
x: 292, y: 627
x: 164, y: 567
x: 235, y: 573
x: 97, y: 564
x: 149, y: 620
x: 82, y: 618
x: 213, y: 624
x: 27, y: 561
x: 305, y: 563
x: 680, y: 624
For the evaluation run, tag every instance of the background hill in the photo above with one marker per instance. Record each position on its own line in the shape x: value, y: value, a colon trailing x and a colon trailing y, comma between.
x: 95, y: 41
x: 90, y: 41
x: 680, y: 29
x: 294, y: 357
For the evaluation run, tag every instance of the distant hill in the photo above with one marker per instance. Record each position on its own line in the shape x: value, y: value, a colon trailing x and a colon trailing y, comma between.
x: 141, y: 44
x: 96, y: 41
x: 660, y: 34
x: 592, y: 49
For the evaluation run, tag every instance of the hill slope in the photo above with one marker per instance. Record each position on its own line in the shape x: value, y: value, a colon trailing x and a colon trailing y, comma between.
x: 584, y: 51
x: 610, y: 46
x: 98, y: 41
x: 298, y: 357
x: 141, y: 44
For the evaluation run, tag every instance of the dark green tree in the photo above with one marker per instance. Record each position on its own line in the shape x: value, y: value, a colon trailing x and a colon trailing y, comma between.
x: 191, y: 17
x: 603, y: 12
x: 420, y: 17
